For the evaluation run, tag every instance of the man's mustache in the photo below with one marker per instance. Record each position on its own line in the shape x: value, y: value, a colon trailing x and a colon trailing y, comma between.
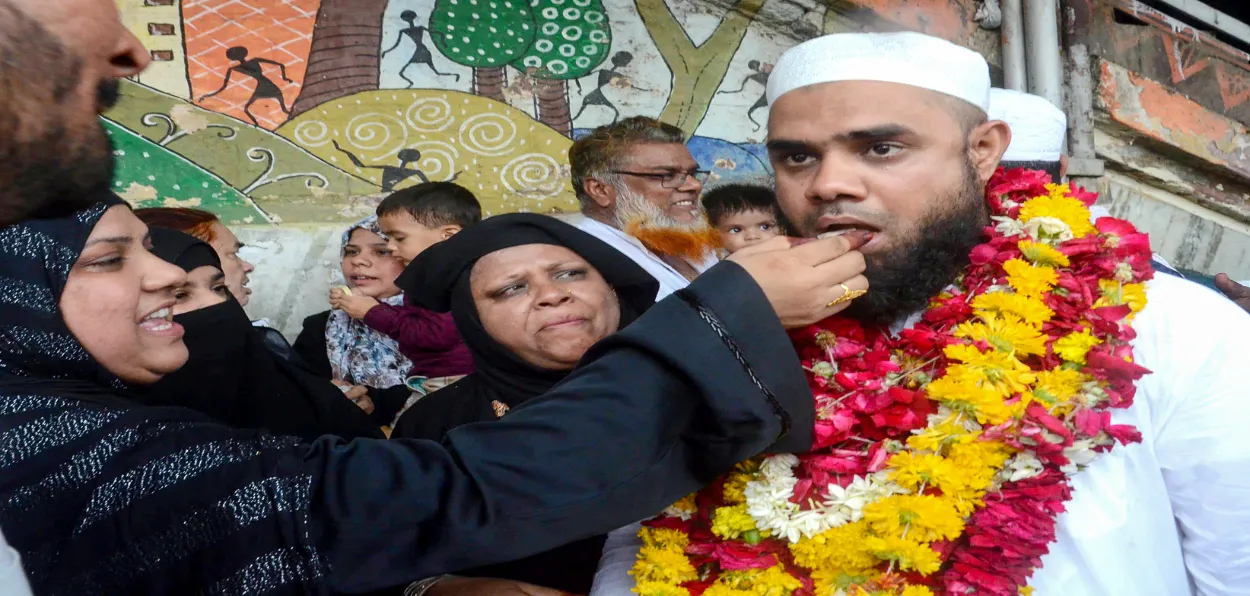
x: 107, y: 94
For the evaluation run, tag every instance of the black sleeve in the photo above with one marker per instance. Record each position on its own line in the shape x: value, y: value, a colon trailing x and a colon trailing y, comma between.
x: 445, y: 409
x: 275, y: 343
x: 330, y: 412
x: 157, y: 501
x: 387, y: 402
x: 702, y: 381
x: 310, y: 345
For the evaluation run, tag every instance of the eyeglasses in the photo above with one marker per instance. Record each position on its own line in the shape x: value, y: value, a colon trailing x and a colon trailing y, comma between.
x: 669, y: 179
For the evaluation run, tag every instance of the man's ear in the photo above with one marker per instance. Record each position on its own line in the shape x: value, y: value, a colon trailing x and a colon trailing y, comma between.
x: 450, y: 230
x: 602, y: 193
x: 986, y: 145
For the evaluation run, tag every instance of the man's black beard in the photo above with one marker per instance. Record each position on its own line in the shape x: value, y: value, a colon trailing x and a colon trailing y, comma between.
x: 904, y: 279
x: 65, y: 174
x: 107, y: 94
x: 53, y: 159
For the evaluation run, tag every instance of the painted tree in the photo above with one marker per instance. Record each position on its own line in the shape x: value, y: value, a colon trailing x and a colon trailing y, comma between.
x: 697, y: 70
x: 343, y: 58
x: 572, y: 39
x: 485, y: 35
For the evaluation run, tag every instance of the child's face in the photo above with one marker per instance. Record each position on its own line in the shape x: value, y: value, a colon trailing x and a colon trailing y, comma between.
x: 748, y: 228
x: 407, y: 238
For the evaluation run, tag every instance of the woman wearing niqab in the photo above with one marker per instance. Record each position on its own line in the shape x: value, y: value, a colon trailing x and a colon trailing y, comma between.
x: 234, y: 378
x: 101, y: 495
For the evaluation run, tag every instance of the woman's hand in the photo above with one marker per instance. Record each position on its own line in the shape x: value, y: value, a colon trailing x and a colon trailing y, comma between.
x: 358, y: 394
x: 805, y: 282
x: 356, y: 307
x: 476, y: 586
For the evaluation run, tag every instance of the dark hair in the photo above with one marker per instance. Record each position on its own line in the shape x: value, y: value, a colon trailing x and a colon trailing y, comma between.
x: 435, y: 204
x: 732, y: 199
x: 1050, y: 167
x: 194, y: 222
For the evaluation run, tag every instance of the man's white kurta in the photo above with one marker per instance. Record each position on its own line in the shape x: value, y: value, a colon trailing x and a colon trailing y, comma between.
x: 1170, y: 515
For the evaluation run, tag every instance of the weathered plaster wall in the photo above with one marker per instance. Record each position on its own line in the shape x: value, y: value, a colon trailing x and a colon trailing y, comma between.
x: 1172, y: 115
x: 292, y: 117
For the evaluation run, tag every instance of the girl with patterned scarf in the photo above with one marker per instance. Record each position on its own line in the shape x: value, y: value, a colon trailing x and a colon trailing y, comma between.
x: 338, y: 344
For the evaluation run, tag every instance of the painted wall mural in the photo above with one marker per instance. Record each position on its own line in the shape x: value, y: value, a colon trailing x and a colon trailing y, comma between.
x: 310, y: 111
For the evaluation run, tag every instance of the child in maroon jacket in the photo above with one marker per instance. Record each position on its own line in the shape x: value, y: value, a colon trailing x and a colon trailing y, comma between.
x: 413, y: 220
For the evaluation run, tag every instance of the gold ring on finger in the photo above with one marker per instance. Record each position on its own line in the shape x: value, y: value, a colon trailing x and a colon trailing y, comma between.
x: 847, y: 295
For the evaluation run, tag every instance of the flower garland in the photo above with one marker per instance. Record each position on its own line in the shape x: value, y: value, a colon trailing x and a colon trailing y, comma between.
x: 942, y: 455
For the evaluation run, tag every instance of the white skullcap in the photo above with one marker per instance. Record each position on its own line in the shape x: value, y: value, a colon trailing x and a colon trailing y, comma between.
x: 1037, y: 126
x: 906, y: 58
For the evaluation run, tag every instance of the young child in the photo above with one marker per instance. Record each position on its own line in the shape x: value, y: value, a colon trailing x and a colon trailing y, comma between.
x: 744, y: 214
x: 413, y: 220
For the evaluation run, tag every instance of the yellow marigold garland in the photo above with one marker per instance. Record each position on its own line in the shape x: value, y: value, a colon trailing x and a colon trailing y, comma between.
x: 1024, y: 341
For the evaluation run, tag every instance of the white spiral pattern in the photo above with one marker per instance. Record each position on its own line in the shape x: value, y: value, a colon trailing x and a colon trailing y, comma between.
x: 429, y: 114
x: 488, y: 134
x: 313, y: 133
x: 533, y: 175
x: 438, y: 159
x: 372, y: 132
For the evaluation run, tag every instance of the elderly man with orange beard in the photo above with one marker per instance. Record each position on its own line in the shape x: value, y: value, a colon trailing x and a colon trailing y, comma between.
x: 639, y: 188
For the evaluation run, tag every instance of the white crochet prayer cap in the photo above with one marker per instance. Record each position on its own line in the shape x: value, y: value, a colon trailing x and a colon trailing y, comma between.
x: 1037, y: 126
x: 906, y: 58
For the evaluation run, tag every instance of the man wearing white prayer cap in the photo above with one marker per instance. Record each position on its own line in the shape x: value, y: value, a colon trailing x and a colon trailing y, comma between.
x: 889, y: 132
x: 1038, y: 130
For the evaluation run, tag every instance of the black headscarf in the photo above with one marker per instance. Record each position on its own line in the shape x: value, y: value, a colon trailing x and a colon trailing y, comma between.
x: 93, y: 485
x: 439, y: 280
x: 184, y: 250
x: 36, y: 347
x: 233, y: 377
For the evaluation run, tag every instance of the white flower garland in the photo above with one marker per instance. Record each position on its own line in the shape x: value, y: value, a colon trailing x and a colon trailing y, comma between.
x: 770, y: 501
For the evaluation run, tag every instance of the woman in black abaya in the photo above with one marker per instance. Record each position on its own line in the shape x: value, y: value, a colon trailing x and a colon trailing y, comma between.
x: 530, y: 294
x: 231, y: 375
x: 102, y: 495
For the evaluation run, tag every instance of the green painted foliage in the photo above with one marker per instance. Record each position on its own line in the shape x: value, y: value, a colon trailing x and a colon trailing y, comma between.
x: 148, y: 175
x: 573, y: 38
x: 482, y: 33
